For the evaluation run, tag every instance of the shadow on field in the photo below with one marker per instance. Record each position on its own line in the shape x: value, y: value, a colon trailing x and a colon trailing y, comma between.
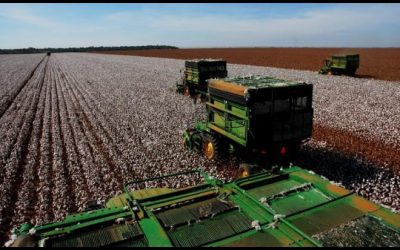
x: 338, y: 167
x: 364, y: 76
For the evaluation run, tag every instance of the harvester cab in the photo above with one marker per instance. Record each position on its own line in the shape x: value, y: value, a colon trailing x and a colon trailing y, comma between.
x: 261, y: 118
x: 346, y: 64
x: 196, y: 74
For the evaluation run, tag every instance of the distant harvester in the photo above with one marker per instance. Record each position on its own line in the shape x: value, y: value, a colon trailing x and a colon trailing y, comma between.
x: 346, y: 64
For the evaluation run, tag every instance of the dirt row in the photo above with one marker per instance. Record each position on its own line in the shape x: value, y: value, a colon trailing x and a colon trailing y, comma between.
x: 378, y: 63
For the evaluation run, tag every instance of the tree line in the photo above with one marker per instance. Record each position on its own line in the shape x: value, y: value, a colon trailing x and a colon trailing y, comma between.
x: 83, y: 49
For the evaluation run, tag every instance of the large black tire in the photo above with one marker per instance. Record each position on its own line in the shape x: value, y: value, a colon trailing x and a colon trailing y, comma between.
x: 203, y: 98
x: 92, y: 205
x: 192, y: 90
x: 211, y: 147
x: 179, y: 89
x: 224, y: 148
x: 293, y: 151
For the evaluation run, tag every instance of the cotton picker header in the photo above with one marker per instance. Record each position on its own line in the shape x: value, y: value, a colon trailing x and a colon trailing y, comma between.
x: 283, y: 207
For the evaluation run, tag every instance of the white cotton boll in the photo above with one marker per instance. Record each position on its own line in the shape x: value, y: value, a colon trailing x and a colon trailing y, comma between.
x: 256, y: 225
x: 9, y: 243
x: 119, y: 220
x: 32, y: 231
x: 278, y: 216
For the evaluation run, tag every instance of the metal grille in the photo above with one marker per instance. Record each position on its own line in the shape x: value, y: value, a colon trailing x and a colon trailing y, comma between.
x: 362, y: 232
x: 327, y: 218
x: 136, y: 242
x: 210, y: 230
x: 101, y: 237
x: 193, y: 212
x: 260, y: 81
x: 258, y: 239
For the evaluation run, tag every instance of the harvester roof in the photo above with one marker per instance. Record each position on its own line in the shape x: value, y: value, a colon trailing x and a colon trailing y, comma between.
x: 345, y: 55
x: 241, y: 85
x: 195, y: 63
x: 205, y: 60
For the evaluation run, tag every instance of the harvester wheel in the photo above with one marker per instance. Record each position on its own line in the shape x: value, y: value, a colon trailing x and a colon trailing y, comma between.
x: 224, y: 148
x: 210, y: 147
x: 185, y: 143
x: 186, y: 91
x: 93, y: 205
x: 244, y: 170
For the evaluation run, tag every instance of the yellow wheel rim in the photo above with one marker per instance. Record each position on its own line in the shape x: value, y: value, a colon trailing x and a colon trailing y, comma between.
x: 244, y: 173
x: 209, y: 150
x: 186, y: 92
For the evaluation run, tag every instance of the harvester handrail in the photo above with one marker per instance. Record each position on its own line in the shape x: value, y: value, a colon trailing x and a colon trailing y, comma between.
x: 161, y: 177
x: 237, y: 189
x: 215, y: 107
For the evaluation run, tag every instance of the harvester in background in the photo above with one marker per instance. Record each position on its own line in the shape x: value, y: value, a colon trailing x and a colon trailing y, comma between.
x: 346, y: 64
x: 196, y: 74
x: 262, y: 119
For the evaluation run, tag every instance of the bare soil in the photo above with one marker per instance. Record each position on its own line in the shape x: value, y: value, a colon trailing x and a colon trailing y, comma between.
x: 377, y: 63
x: 349, y: 144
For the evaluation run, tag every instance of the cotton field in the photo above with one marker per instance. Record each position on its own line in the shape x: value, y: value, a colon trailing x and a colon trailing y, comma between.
x: 76, y: 126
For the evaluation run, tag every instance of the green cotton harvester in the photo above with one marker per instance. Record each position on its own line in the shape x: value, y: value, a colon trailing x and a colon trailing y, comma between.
x: 196, y: 74
x: 258, y: 117
x: 346, y: 64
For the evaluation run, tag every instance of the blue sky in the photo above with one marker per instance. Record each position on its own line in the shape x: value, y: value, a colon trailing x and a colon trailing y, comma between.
x: 200, y: 25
